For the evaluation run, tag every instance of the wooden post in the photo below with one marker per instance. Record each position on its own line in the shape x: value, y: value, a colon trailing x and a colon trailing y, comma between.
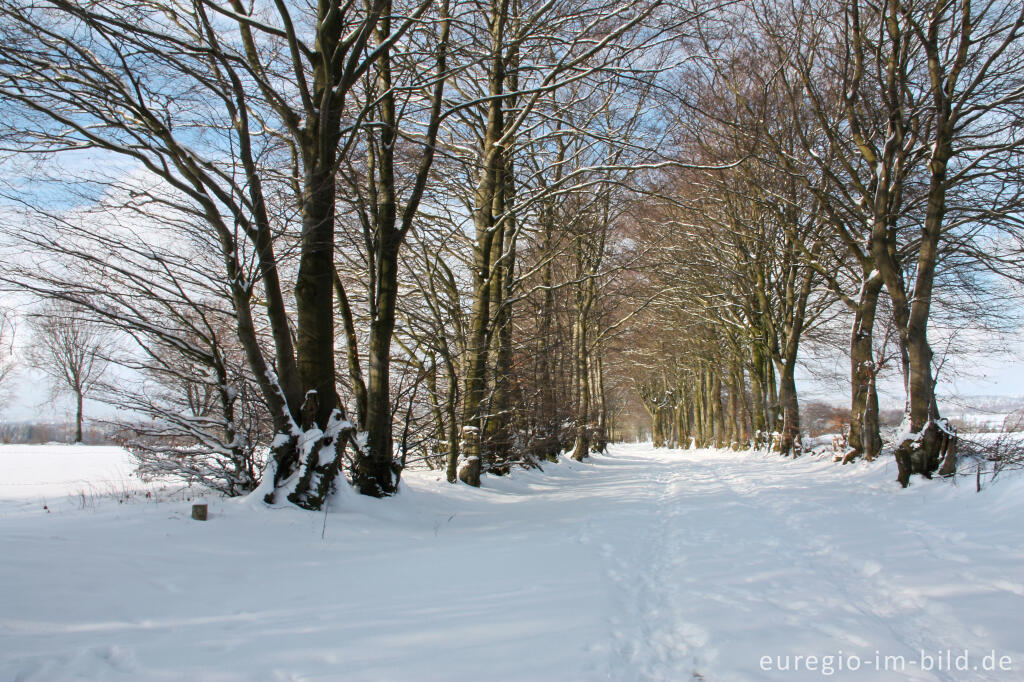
x: 199, y: 512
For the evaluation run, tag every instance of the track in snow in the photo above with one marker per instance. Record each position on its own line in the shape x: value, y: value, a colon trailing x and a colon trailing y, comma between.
x: 746, y: 555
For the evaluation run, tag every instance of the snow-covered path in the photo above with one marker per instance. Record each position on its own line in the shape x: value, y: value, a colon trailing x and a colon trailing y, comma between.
x: 745, y: 556
x: 641, y: 565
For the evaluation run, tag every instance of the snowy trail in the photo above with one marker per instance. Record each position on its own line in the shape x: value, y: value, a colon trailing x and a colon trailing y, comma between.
x: 748, y: 556
x: 641, y: 565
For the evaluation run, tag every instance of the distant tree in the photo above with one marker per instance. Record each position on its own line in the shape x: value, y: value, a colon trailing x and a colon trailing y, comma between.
x: 68, y: 347
x: 823, y: 418
x: 1014, y: 422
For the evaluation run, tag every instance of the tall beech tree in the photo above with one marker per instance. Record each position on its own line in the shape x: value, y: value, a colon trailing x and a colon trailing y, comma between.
x: 233, y: 109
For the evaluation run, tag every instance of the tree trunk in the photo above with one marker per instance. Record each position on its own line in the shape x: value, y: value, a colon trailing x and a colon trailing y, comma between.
x: 789, y: 441
x: 372, y: 467
x: 864, y: 436
x: 772, y: 395
x: 488, y: 220
x: 497, y: 442
x: 355, y: 371
x: 681, y: 426
x: 924, y: 459
x: 870, y: 428
x: 477, y: 351
x: 601, y: 434
x: 471, y: 451
x: 79, y: 399
x: 451, y: 406
x: 501, y: 424
x: 699, y: 408
x: 919, y: 453
x: 759, y: 417
x: 736, y: 426
x: 582, y: 447
x: 314, y: 294
x: 547, y: 419
x: 656, y: 412
x: 719, y: 411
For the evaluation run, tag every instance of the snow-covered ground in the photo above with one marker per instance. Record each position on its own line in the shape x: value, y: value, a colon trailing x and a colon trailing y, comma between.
x: 58, y: 473
x: 641, y: 565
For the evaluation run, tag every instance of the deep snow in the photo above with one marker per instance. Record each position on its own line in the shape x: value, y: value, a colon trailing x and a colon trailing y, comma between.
x: 640, y: 565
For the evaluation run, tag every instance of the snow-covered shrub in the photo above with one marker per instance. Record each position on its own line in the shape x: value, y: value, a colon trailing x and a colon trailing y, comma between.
x: 203, y: 418
x: 991, y: 454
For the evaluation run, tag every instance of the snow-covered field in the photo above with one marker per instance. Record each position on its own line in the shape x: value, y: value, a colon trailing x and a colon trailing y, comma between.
x: 59, y: 473
x: 640, y: 565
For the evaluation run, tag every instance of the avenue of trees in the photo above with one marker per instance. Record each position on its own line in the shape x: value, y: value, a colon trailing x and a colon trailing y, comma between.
x: 472, y: 235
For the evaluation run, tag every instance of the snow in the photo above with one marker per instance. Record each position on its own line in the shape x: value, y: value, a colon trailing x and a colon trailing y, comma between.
x: 643, y: 564
x: 55, y: 472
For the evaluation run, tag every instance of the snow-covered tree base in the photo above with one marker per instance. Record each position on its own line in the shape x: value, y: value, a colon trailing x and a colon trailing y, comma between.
x: 320, y: 464
x: 921, y: 452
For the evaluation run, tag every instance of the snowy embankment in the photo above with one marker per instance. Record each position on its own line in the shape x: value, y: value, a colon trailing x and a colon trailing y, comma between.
x: 640, y: 565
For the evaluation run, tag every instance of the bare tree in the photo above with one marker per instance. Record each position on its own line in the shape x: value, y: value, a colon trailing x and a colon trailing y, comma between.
x: 70, y: 348
x: 258, y: 171
x: 240, y: 114
x: 192, y: 405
